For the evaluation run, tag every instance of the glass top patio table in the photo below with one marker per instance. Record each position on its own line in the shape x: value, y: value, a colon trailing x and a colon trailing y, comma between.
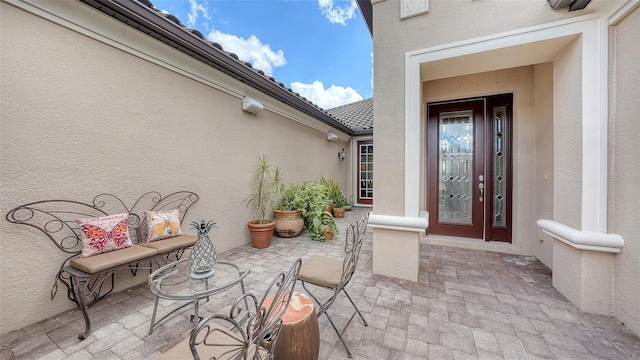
x: 174, y: 282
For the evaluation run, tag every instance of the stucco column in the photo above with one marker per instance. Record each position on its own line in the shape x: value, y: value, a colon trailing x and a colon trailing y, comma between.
x: 583, y: 255
x: 396, y: 245
x: 396, y: 254
x: 584, y: 277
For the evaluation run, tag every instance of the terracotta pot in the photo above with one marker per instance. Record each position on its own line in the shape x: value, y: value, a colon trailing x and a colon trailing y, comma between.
x: 339, y: 212
x: 289, y: 223
x: 328, y: 235
x: 261, y: 234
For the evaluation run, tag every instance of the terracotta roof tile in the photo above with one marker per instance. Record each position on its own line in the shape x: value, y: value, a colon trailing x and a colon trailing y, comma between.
x: 357, y: 115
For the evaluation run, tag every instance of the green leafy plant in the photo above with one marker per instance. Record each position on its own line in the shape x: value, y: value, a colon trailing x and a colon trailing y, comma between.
x: 341, y: 202
x: 334, y: 192
x: 308, y: 197
x: 293, y: 198
x: 267, y: 183
x: 318, y: 219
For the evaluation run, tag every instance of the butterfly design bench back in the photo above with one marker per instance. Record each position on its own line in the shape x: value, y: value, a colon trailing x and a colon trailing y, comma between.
x: 57, y: 220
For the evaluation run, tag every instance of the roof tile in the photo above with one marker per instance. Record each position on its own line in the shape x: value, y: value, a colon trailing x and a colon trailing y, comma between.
x: 357, y: 115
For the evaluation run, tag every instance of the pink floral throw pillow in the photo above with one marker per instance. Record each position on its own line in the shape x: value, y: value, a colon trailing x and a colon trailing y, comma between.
x: 163, y: 224
x: 104, y: 234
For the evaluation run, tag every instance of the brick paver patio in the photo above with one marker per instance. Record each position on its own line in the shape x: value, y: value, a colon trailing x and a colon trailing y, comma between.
x: 467, y: 304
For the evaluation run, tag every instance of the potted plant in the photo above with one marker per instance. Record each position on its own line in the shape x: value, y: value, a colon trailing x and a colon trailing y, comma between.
x: 267, y: 185
x: 308, y: 197
x: 322, y: 226
x: 349, y: 205
x: 339, y: 207
x: 335, y: 195
x: 288, y: 212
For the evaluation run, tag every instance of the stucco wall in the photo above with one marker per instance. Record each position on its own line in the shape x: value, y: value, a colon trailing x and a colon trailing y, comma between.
x: 453, y: 27
x: 446, y: 22
x: 79, y: 118
x: 543, y: 172
x: 624, y: 167
x: 520, y: 82
x: 567, y: 136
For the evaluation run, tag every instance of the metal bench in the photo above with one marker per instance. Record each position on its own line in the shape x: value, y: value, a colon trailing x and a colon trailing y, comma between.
x: 90, y: 279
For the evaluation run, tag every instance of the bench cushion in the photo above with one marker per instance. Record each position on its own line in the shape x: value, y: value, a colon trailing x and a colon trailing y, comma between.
x: 166, y: 245
x: 321, y: 270
x: 111, y: 259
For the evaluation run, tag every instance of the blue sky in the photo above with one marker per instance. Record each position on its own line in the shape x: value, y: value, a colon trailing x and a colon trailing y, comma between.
x: 321, y: 49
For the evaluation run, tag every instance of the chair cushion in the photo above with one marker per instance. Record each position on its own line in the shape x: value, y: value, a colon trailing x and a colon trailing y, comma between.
x: 182, y: 350
x: 108, y: 260
x: 321, y: 270
x: 166, y: 245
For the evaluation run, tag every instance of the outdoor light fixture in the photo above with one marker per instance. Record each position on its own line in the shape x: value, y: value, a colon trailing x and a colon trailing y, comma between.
x: 331, y: 136
x: 572, y: 4
x: 578, y: 4
x: 341, y: 155
x: 251, y: 105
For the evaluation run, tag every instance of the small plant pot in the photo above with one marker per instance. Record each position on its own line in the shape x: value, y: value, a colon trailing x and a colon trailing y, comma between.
x: 339, y: 212
x: 328, y: 235
x: 261, y: 234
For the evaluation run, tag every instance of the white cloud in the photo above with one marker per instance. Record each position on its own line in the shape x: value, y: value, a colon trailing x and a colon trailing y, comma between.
x: 194, y: 9
x: 338, y: 14
x: 251, y: 50
x: 326, y: 98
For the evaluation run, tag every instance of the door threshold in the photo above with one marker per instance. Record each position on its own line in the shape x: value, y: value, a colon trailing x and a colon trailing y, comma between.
x: 473, y: 244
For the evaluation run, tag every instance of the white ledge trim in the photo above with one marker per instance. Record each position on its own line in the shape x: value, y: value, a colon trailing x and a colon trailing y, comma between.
x: 400, y: 223
x: 582, y: 240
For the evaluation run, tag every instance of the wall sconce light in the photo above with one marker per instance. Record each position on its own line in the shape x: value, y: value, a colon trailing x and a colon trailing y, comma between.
x: 341, y: 155
x: 251, y: 105
x: 331, y: 136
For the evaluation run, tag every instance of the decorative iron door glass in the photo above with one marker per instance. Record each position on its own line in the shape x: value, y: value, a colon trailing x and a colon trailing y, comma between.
x: 455, y: 158
x: 174, y: 282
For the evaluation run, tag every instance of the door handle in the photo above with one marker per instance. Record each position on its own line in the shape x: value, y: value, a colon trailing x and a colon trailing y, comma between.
x: 481, y: 187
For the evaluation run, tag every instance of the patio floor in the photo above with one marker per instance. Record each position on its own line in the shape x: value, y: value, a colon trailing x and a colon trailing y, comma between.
x: 467, y: 304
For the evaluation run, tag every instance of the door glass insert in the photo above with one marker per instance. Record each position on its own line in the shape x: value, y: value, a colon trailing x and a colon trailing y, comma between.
x: 455, y: 163
x: 366, y: 171
x: 499, y: 166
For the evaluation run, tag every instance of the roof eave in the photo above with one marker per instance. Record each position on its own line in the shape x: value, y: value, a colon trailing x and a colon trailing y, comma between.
x: 367, y: 13
x: 139, y: 16
x: 365, y: 132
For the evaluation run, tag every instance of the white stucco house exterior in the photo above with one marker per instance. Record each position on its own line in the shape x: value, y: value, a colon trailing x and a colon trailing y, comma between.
x: 539, y: 108
x: 510, y: 126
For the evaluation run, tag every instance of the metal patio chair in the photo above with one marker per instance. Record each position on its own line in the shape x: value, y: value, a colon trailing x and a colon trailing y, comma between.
x: 250, y: 331
x: 334, y: 274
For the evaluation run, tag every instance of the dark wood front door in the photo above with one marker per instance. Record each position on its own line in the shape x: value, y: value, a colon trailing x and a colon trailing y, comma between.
x: 469, y: 168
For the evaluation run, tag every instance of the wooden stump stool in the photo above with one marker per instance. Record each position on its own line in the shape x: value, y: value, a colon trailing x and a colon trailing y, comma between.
x: 299, y: 338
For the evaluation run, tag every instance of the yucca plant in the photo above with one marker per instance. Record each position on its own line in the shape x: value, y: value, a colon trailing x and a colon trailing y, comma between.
x: 268, y: 185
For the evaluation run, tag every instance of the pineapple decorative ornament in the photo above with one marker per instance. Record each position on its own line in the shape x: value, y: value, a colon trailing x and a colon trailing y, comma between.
x: 203, y: 258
